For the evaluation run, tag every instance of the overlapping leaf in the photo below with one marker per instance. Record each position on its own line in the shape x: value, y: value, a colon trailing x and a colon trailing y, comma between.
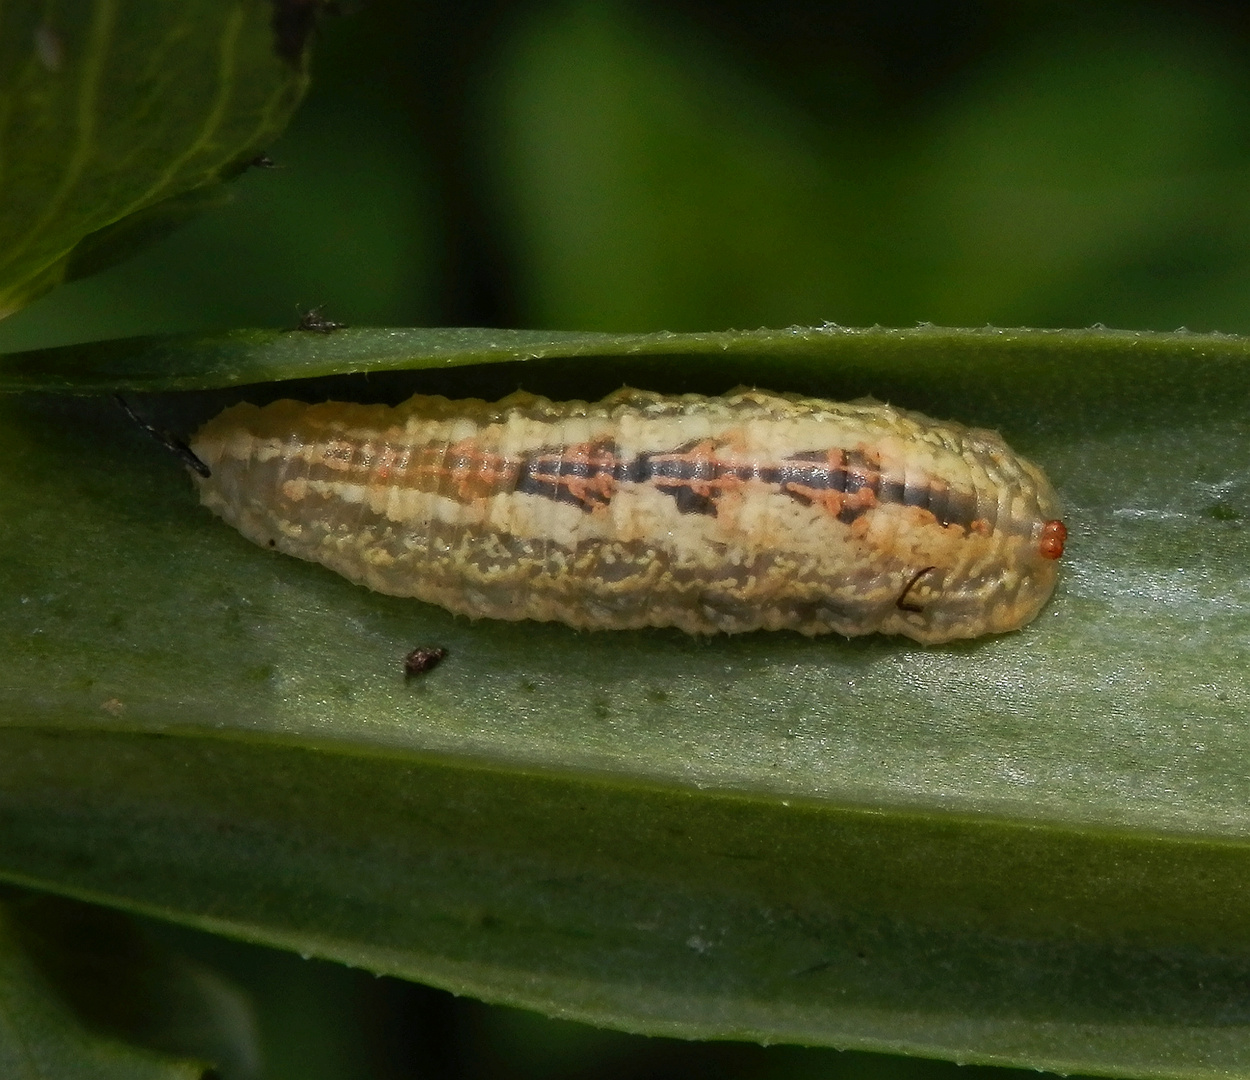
x: 118, y: 118
x: 1024, y: 849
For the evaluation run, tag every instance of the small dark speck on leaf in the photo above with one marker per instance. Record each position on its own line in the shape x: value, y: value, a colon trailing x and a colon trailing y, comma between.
x: 421, y: 660
x: 263, y: 161
x: 314, y: 322
x: 1223, y: 512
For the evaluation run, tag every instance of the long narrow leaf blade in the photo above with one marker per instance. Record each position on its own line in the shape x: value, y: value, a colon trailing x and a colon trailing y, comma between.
x: 1026, y: 849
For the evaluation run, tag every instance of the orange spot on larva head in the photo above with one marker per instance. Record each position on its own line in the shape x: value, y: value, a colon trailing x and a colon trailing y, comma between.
x: 1054, y: 533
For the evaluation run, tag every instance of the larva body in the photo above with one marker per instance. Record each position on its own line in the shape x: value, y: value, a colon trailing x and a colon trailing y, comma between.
x: 734, y: 513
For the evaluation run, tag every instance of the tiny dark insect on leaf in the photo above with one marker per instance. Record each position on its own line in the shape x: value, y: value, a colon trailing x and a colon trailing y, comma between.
x: 263, y: 161
x: 421, y: 660
x: 313, y: 321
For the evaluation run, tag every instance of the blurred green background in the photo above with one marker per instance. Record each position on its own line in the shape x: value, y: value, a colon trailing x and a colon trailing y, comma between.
x: 689, y: 166
x: 692, y: 166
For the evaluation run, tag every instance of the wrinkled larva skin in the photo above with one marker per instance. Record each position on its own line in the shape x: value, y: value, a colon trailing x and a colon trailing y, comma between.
x: 743, y: 512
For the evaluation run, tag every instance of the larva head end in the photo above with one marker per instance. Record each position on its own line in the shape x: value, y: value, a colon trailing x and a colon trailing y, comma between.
x: 1054, y: 533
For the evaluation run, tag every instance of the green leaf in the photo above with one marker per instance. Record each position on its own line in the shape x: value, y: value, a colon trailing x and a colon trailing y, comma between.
x: 653, y: 171
x: 1027, y: 849
x: 110, y: 108
x: 121, y: 981
x: 874, y: 357
x: 41, y: 1037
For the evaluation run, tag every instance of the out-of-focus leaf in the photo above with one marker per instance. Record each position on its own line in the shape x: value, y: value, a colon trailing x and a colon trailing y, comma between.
x: 42, y: 1038
x: 109, y: 107
x: 120, y: 981
x: 1027, y: 849
x: 854, y: 360
x: 1095, y: 171
x: 347, y: 219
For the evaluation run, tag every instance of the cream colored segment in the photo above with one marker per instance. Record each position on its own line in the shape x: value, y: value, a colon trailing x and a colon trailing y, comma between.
x: 900, y: 456
x: 222, y: 437
x: 772, y: 522
x: 234, y: 444
x: 518, y: 434
x: 531, y: 435
x: 759, y: 524
x: 294, y: 490
x: 641, y: 513
x: 573, y: 431
x: 1003, y: 487
x: 523, y: 515
x: 408, y: 505
x: 635, y: 435
x: 763, y: 436
x: 984, y: 560
x: 259, y: 450
x: 1020, y: 506
x: 535, y: 517
x: 421, y: 431
x: 776, y: 440
x: 397, y: 504
x: 501, y: 513
x: 419, y: 508
x: 901, y: 535
x: 315, y: 452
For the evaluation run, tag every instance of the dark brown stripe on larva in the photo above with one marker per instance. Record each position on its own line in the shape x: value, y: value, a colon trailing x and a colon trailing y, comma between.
x: 588, y: 476
x: 750, y: 511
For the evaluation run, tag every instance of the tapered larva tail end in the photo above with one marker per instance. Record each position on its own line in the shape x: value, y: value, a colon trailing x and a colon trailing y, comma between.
x: 232, y: 434
x: 207, y: 450
x: 1054, y: 535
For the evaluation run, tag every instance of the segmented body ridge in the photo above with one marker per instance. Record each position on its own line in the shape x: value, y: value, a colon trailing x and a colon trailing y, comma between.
x: 747, y: 511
